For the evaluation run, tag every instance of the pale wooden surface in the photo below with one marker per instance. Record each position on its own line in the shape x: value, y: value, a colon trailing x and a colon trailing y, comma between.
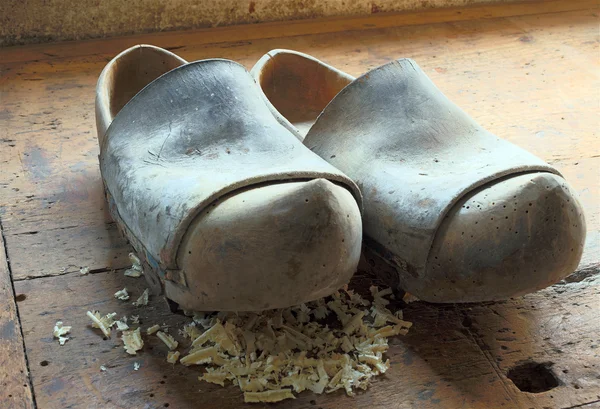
x: 531, y: 78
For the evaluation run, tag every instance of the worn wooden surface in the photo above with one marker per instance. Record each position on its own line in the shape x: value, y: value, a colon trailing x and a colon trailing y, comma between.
x: 455, y: 355
x: 15, y: 384
x: 530, y: 78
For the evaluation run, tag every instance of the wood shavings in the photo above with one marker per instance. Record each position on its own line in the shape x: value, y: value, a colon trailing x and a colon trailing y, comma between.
x: 191, y: 331
x: 122, y: 325
x: 104, y: 323
x: 168, y: 340
x: 143, y: 300
x: 218, y: 335
x: 274, y: 354
x: 379, y: 294
x: 382, y: 316
x: 336, y: 307
x: 136, y: 269
x: 131, y: 272
x: 354, y: 323
x: 388, y: 331
x: 151, y: 330
x: 408, y: 298
x: 172, y: 357
x: 84, y: 270
x: 122, y: 295
x: 203, y: 321
x: 212, y: 376
x: 320, y: 312
x: 375, y: 361
x: 59, y: 331
x: 102, y: 368
x: 346, y: 345
x: 202, y: 356
x: 275, y: 395
x: 132, y: 341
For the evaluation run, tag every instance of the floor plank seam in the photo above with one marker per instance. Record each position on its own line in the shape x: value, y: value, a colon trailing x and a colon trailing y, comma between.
x: 499, y: 373
x: 581, y: 274
x: 582, y: 405
x: 33, y: 232
x: 12, y: 285
x: 73, y: 272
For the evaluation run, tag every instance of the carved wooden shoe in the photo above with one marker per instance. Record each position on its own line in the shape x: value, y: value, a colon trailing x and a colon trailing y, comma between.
x: 229, y: 210
x: 461, y: 214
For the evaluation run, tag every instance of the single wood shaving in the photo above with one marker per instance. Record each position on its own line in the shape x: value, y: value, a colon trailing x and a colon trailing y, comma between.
x: 59, y: 331
x: 122, y: 295
x: 151, y: 330
x: 172, y: 357
x: 132, y: 341
x: 143, y: 299
x: 168, y: 340
x: 136, y: 269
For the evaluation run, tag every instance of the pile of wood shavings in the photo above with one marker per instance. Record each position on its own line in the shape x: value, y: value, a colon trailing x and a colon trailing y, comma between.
x: 318, y: 346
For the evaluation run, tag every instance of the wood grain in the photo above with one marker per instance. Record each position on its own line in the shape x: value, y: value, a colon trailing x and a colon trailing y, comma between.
x: 527, y: 72
x: 15, y: 387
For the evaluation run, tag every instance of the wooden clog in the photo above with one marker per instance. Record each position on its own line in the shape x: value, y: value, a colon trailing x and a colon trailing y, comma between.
x: 459, y: 213
x: 229, y: 210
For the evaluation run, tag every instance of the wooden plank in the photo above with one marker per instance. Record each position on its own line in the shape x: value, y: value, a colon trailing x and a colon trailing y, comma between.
x: 454, y: 356
x: 62, y: 201
x: 99, y: 247
x: 244, y: 33
x: 557, y: 326
x: 15, y: 390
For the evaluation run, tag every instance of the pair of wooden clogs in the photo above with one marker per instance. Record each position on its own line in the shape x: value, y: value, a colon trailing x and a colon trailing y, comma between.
x: 254, y: 190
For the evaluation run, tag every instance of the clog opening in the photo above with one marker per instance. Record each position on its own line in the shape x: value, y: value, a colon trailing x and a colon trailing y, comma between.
x: 299, y: 87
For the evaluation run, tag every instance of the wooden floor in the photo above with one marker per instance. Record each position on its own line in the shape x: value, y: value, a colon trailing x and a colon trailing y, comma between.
x: 527, y: 72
